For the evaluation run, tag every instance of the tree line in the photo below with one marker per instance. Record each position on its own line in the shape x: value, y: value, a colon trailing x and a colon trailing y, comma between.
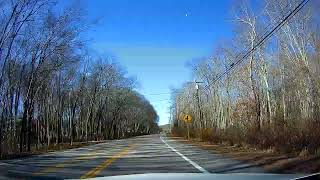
x: 53, y: 91
x: 272, y: 99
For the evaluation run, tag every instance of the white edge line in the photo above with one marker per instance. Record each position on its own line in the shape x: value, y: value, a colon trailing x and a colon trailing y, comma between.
x: 306, y: 176
x: 185, y: 158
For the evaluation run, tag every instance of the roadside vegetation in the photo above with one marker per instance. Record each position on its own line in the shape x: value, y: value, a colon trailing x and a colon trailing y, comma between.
x: 269, y: 101
x: 53, y: 91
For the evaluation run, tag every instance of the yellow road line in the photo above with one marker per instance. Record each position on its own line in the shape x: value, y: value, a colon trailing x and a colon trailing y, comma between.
x: 62, y: 165
x: 54, y: 168
x: 94, y: 172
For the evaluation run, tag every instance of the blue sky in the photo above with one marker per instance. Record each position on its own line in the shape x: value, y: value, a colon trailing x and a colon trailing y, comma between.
x: 154, y: 39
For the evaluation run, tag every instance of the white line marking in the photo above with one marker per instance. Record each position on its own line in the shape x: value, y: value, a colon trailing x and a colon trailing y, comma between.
x: 185, y: 158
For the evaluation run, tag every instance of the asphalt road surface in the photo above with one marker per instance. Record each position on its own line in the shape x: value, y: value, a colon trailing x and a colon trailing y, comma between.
x: 143, y: 154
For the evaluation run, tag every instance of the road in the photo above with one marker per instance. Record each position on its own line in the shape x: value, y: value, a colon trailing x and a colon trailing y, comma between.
x: 143, y: 154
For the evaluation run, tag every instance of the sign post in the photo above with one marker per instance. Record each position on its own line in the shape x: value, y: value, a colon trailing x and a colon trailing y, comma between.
x: 188, y: 119
x: 188, y: 131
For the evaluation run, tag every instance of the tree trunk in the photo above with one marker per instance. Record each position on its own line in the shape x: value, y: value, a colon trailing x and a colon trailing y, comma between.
x: 30, y: 116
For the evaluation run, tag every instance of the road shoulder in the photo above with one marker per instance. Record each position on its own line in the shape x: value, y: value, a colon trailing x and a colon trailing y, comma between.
x: 268, y: 160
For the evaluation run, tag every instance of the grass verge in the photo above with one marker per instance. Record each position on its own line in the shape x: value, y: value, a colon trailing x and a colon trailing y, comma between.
x: 51, y: 148
x: 271, y: 161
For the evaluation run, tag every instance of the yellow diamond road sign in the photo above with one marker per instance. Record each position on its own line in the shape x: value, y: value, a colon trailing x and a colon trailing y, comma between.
x: 187, y: 118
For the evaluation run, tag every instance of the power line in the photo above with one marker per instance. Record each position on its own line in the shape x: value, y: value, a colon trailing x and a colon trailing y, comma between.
x: 156, y: 94
x: 259, y: 43
x: 262, y: 40
x: 161, y: 100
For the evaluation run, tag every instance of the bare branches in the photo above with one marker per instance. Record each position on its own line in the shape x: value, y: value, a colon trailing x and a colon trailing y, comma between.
x: 45, y: 98
x: 271, y: 98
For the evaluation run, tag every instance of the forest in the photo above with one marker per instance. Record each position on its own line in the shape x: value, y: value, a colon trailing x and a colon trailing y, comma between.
x: 53, y: 90
x: 269, y: 100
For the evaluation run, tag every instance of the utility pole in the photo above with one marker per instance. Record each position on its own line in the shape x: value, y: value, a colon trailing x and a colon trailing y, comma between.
x: 171, y: 119
x: 199, y: 106
x: 198, y: 102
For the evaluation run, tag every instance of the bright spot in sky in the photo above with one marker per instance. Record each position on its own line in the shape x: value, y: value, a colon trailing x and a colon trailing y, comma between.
x: 186, y: 15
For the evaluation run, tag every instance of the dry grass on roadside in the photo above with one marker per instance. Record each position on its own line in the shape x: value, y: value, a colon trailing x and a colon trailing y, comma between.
x: 51, y: 148
x: 273, y: 162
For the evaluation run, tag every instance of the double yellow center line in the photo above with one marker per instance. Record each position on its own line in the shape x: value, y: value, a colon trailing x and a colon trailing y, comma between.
x: 71, y: 161
x: 94, y: 172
